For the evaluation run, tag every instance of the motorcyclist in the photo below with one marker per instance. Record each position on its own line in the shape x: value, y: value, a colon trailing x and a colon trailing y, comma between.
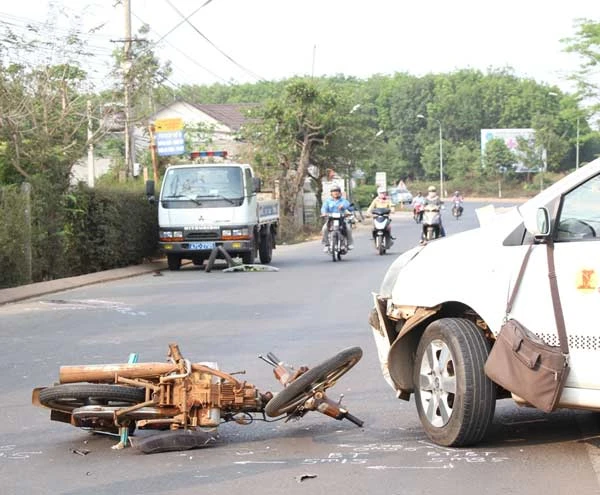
x: 432, y: 198
x: 457, y: 199
x: 417, y: 204
x: 336, y: 203
x: 382, y: 201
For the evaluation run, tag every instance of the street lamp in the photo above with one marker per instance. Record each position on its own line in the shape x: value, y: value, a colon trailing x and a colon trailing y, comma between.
x: 577, y: 146
x: 420, y: 116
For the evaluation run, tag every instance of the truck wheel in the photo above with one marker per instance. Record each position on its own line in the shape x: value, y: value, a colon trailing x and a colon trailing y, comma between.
x: 265, y: 249
x: 248, y: 258
x: 455, y: 399
x: 199, y: 260
x: 174, y: 262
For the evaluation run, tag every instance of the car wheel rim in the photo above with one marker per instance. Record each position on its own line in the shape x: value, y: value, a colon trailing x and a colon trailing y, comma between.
x: 437, y: 383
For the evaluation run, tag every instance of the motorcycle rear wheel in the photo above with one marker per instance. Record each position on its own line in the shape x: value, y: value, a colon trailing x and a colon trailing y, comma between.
x: 70, y: 396
x: 317, y: 379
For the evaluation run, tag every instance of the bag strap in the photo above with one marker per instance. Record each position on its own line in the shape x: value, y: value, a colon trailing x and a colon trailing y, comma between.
x: 558, y: 313
x: 512, y: 297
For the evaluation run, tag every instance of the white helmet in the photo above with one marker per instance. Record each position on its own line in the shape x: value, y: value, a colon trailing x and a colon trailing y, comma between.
x: 381, y: 190
x: 431, y: 188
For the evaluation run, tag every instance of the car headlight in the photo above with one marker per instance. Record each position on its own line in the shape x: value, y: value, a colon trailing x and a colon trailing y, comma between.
x: 389, y: 280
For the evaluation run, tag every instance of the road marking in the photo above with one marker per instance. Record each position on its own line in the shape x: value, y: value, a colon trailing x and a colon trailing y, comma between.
x: 260, y: 462
x: 445, y: 466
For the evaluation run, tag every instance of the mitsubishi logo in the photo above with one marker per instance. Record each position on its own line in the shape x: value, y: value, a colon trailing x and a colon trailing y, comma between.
x: 201, y: 218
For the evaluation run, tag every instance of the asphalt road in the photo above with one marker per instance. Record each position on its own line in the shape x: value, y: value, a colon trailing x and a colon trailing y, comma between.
x: 304, y: 313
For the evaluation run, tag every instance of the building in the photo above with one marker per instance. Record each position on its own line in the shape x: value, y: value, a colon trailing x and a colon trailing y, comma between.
x: 210, y: 126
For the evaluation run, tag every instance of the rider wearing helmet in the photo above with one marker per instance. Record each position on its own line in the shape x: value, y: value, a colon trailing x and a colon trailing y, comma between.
x: 457, y: 200
x: 336, y: 203
x: 432, y: 198
x: 382, y: 201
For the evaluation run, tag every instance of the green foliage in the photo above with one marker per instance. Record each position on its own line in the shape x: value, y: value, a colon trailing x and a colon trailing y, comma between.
x: 84, y: 231
x: 12, y: 237
x: 108, y: 229
x: 362, y: 195
x: 497, y: 157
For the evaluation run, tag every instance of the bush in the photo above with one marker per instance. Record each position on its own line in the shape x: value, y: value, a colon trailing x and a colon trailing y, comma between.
x: 85, y: 231
x: 363, y: 195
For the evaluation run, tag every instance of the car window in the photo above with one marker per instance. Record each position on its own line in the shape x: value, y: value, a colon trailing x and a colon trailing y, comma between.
x: 579, y: 218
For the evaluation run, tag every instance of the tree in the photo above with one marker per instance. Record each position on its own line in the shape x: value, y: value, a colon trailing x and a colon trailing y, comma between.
x: 288, y: 132
x: 586, y: 43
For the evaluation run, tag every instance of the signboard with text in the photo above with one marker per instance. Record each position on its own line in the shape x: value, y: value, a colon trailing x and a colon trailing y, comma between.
x: 166, y: 125
x: 169, y: 143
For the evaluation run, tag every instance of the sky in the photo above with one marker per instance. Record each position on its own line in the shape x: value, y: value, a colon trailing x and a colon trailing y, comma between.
x: 277, y: 39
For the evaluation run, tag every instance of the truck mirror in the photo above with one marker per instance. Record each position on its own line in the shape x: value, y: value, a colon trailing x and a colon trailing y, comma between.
x: 256, y: 184
x: 150, y: 192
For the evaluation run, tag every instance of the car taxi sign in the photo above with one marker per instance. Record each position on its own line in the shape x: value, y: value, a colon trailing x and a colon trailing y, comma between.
x: 162, y: 125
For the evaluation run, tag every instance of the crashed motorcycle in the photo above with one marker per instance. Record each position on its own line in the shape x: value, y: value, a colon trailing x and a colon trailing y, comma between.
x: 457, y: 209
x: 432, y: 220
x: 381, y: 234
x: 186, y: 401
x: 336, y: 231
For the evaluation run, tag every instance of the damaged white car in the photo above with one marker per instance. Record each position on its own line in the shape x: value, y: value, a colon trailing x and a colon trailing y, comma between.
x: 441, y: 306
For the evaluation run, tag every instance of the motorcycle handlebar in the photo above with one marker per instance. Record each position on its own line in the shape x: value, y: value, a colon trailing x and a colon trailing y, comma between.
x: 353, y: 419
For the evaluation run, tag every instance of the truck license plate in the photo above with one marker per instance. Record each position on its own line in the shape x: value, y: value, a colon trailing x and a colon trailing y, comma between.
x: 201, y: 245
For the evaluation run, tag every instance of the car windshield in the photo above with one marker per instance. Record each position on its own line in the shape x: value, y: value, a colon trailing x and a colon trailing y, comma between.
x: 203, y: 183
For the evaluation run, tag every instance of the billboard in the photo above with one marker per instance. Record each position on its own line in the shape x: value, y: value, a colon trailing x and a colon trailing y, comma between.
x: 510, y: 138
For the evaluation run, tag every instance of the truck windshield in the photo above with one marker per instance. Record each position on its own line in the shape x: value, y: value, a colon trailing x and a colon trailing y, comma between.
x: 204, y: 184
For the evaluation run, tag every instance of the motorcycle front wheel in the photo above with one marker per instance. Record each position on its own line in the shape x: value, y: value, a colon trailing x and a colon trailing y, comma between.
x: 317, y: 379
x: 70, y: 396
x: 380, y: 244
x: 334, y: 241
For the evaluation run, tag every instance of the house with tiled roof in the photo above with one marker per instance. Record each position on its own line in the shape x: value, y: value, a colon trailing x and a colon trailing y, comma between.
x: 210, y: 127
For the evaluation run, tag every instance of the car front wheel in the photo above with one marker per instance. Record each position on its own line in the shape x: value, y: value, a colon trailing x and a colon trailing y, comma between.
x: 455, y: 399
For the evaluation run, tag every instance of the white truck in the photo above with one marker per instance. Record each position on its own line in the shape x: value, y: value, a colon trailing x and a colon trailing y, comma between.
x: 202, y: 206
x: 441, y: 306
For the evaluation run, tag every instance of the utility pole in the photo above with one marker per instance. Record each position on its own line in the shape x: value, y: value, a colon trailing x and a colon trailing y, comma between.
x: 90, y: 134
x: 126, y: 66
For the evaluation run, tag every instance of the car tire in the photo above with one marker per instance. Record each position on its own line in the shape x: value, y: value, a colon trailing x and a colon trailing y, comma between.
x: 455, y: 399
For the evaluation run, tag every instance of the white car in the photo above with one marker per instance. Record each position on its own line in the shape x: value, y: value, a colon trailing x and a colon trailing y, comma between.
x: 441, y: 306
x: 401, y: 196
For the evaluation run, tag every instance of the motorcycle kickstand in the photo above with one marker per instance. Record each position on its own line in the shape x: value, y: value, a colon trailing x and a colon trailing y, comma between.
x: 124, y: 430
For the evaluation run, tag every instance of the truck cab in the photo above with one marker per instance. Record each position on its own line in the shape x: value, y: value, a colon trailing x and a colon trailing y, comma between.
x: 203, y: 206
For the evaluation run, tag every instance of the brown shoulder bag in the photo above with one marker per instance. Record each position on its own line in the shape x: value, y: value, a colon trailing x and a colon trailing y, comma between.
x: 523, y: 363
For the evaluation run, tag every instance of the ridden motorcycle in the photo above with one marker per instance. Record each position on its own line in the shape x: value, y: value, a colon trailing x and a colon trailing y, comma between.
x: 418, y: 212
x: 457, y: 209
x: 338, y: 239
x: 432, y: 220
x: 185, y: 398
x: 381, y: 233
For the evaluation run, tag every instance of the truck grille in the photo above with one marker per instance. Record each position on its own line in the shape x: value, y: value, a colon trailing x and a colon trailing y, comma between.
x: 205, y: 235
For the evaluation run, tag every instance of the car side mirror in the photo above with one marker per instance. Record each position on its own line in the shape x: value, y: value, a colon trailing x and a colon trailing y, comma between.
x: 150, y: 190
x: 538, y: 223
x: 256, y: 184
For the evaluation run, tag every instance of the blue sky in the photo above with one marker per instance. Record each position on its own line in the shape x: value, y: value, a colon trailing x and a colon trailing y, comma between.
x: 275, y: 39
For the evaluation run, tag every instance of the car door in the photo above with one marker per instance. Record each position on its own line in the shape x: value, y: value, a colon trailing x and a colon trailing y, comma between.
x: 577, y: 261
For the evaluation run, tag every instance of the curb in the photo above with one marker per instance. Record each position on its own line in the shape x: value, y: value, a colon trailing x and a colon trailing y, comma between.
x: 29, y: 291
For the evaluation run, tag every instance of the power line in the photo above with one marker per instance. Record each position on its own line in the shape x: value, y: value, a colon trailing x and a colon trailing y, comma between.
x: 248, y: 71
x: 181, y: 51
